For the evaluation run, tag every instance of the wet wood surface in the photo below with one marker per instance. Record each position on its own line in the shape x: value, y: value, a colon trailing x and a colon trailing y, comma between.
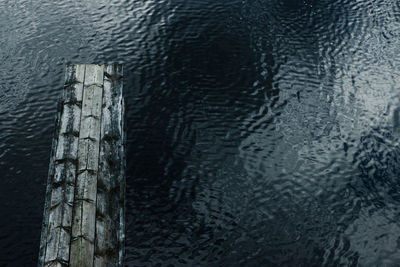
x: 83, y: 221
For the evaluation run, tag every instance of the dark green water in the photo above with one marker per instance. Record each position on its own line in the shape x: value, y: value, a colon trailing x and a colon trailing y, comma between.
x: 260, y: 133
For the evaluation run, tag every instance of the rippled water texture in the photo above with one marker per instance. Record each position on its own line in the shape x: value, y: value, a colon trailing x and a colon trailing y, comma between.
x: 260, y: 132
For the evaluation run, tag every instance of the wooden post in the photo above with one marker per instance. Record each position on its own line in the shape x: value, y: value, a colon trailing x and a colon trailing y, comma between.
x: 83, y: 222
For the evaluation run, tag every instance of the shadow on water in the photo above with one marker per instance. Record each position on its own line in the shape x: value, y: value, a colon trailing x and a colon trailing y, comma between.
x: 200, y: 188
x: 187, y: 115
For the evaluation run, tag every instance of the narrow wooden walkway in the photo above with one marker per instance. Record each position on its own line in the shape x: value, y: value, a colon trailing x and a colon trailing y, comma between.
x: 83, y: 221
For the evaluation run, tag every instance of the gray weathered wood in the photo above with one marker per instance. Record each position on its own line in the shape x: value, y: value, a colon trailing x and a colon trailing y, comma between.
x: 111, y: 188
x: 83, y: 221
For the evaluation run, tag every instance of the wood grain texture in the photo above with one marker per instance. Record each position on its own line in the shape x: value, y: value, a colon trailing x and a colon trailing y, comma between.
x: 84, y: 212
x: 111, y: 189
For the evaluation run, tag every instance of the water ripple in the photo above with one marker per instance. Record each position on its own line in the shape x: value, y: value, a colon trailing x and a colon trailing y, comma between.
x: 259, y: 132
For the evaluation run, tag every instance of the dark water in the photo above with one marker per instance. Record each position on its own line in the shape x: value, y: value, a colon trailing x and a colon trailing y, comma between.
x: 260, y: 132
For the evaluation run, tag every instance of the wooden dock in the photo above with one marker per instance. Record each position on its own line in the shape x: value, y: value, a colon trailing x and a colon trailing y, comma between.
x: 83, y: 222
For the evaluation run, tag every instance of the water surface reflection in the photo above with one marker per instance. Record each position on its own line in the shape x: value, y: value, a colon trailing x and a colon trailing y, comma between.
x: 259, y: 132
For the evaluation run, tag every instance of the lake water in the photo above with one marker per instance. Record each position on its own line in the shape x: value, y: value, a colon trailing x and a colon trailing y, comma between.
x: 259, y: 132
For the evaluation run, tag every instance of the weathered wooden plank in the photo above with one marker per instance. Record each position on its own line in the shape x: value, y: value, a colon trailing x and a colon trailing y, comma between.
x: 65, y: 171
x: 90, y: 121
x: 120, y: 179
x: 81, y: 251
x: 84, y: 223
x: 86, y: 186
x: 105, y: 242
x: 60, y: 214
x: 53, y: 238
x: 73, y: 88
x: 70, y: 119
x: 54, y: 250
x: 84, y: 211
x: 67, y: 148
x: 110, y: 191
x: 94, y: 74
